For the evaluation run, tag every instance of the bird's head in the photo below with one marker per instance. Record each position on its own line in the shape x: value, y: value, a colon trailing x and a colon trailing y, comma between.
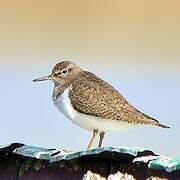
x: 63, y: 72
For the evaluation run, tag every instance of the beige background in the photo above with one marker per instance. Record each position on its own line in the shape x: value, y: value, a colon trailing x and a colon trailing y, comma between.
x: 134, y: 45
x: 140, y: 31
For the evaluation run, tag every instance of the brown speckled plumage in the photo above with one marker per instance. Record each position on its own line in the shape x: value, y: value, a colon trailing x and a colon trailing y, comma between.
x: 90, y: 95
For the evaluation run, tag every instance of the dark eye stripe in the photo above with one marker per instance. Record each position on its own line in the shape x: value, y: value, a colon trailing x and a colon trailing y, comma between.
x: 70, y: 69
x: 58, y: 72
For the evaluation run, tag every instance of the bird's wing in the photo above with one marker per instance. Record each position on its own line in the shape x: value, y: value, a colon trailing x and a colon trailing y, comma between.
x: 91, y: 95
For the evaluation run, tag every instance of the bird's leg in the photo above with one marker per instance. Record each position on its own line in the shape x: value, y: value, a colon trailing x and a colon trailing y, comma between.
x: 101, y: 135
x: 95, y: 132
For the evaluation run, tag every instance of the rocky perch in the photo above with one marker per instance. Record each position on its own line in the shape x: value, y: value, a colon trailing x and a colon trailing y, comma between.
x: 19, y: 161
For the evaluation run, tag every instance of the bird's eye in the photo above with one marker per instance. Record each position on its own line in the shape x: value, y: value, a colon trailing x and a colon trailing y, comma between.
x: 64, y: 71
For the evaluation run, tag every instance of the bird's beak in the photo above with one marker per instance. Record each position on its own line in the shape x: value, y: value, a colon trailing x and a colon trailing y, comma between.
x: 44, y: 78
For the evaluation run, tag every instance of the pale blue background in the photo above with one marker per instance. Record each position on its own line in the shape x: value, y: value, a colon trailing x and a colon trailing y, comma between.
x: 29, y: 116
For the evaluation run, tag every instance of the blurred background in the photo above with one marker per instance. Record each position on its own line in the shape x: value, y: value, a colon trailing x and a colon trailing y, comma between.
x: 133, y: 45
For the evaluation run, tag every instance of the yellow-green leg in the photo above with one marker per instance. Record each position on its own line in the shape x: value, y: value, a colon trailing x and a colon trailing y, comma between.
x: 95, y: 132
x: 101, y: 135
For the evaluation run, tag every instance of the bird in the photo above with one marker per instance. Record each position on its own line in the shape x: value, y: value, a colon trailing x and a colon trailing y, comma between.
x: 91, y: 103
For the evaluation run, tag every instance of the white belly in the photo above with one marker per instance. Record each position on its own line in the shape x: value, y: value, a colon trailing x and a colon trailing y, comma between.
x: 85, y: 121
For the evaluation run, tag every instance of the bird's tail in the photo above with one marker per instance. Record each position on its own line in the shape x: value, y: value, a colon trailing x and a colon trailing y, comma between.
x: 155, y: 121
x: 162, y: 126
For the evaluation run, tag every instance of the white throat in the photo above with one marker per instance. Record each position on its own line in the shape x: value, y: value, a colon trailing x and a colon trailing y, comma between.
x: 63, y: 104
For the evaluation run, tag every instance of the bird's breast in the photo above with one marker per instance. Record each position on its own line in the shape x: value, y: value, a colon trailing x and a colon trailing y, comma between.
x: 64, y: 105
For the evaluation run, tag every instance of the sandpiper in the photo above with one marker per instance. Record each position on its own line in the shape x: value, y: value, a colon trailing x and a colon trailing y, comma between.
x: 91, y: 103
